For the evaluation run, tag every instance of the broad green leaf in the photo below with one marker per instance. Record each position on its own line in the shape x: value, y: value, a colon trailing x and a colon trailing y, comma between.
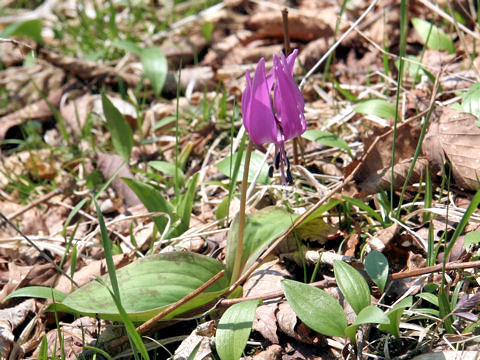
x: 394, y: 315
x: 155, y: 67
x: 434, y: 37
x: 40, y: 292
x: 376, y: 265
x: 256, y: 161
x: 316, y: 308
x: 128, y: 46
x: 326, y: 138
x: 471, y: 100
x: 261, y: 229
x: 153, y: 201
x: 31, y: 29
x: 148, y: 286
x: 471, y: 238
x: 431, y: 298
x: 169, y: 169
x: 369, y: 315
x: 120, y: 130
x: 234, y: 328
x: 353, y: 285
x: 377, y: 107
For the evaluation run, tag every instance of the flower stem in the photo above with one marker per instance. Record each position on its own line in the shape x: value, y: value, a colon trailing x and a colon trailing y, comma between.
x: 241, y: 216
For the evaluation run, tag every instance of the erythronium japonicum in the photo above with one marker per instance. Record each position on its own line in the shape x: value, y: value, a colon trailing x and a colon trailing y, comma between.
x: 274, y: 120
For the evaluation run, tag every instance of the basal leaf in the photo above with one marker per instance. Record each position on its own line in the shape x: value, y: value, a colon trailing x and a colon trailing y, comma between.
x: 377, y: 107
x: 376, y: 265
x: 394, y: 315
x: 256, y: 162
x: 153, y: 200
x: 155, y: 67
x: 39, y: 292
x: 471, y: 100
x: 120, y: 130
x: 148, y: 286
x: 261, y: 229
x: 316, y: 308
x: 326, y: 138
x: 353, y: 285
x: 31, y: 29
x: 369, y: 315
x: 234, y: 328
x: 434, y: 37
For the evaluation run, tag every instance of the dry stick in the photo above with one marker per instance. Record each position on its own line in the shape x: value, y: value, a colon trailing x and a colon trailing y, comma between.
x: 286, y: 45
x: 435, y: 268
x: 241, y: 215
x: 146, y: 326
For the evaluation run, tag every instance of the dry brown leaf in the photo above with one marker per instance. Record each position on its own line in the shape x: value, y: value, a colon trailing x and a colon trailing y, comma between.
x: 455, y: 138
x: 291, y: 326
x: 204, y: 333
x: 74, y: 113
x: 10, y: 319
x: 38, y: 110
x: 108, y: 164
x: 82, y: 331
x: 374, y: 171
x: 273, y: 352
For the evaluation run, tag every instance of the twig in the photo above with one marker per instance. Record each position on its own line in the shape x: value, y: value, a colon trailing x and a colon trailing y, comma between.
x: 435, y: 268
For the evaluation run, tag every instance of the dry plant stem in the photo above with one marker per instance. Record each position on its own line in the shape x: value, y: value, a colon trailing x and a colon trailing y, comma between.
x: 435, y: 268
x: 146, y: 326
x: 241, y: 215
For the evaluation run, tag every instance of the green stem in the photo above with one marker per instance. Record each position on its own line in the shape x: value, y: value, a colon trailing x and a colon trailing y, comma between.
x: 241, y: 217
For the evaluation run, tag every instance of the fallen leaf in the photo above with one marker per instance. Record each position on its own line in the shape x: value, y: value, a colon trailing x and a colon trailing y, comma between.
x: 10, y: 319
x: 455, y: 138
x: 203, y: 333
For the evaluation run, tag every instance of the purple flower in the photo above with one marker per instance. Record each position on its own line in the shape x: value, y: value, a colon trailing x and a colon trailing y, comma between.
x: 274, y: 121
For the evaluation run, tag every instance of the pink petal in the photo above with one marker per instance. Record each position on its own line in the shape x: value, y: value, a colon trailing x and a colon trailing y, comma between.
x: 288, y: 102
x: 257, y: 108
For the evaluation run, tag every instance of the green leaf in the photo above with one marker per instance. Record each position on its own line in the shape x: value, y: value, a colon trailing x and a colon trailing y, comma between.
x: 256, y: 161
x: 413, y: 68
x: 394, y: 315
x: 434, y: 37
x: 39, y: 292
x: 353, y: 285
x: 31, y: 29
x: 318, y: 309
x: 120, y: 130
x: 169, y: 169
x: 363, y: 206
x: 128, y: 46
x: 148, y: 286
x: 369, y: 315
x: 471, y: 100
x: 153, y: 201
x: 431, y: 298
x: 185, y: 205
x: 377, y: 107
x: 471, y: 238
x: 326, y: 138
x: 376, y: 265
x: 234, y: 329
x: 155, y: 67
x: 261, y: 229
x: 207, y: 30
x: 43, y: 352
x: 444, y: 310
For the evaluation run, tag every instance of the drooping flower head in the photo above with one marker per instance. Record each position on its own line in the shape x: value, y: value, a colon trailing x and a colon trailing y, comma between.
x: 274, y: 117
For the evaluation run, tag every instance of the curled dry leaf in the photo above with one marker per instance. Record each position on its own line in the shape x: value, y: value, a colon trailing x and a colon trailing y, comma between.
x: 374, y: 172
x: 264, y: 280
x: 455, y: 138
x: 273, y: 352
x: 204, y: 333
x: 108, y: 164
x: 10, y: 319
